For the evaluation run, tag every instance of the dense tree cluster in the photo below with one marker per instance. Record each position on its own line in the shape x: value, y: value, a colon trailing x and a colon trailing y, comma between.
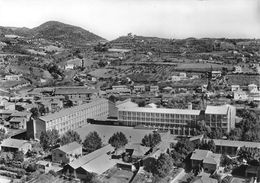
x: 251, y: 155
x: 159, y: 167
x: 248, y: 129
x: 70, y: 136
x: 152, y: 139
x: 118, y: 140
x: 49, y: 139
x: 92, y: 142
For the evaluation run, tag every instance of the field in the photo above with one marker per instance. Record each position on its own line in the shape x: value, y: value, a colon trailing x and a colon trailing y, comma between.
x: 243, y: 80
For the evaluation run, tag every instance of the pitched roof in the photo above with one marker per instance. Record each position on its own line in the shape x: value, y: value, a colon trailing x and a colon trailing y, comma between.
x: 231, y: 143
x: 70, y: 147
x: 87, y: 158
x: 206, y: 156
x: 204, y: 179
x: 17, y: 119
x: 93, y: 166
x: 14, y: 143
x: 139, y: 150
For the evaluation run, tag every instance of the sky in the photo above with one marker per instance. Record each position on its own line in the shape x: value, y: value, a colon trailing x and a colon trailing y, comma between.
x: 161, y: 18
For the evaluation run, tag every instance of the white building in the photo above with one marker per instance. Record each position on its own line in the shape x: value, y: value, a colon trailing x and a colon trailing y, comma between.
x: 240, y: 96
x: 252, y: 88
x: 235, y: 88
x: 12, y: 77
x: 238, y: 69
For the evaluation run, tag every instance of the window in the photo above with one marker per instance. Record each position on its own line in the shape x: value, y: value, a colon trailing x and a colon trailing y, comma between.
x: 60, y: 155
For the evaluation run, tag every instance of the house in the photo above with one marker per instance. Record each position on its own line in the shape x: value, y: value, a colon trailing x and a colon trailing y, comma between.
x: 204, y: 179
x: 120, y: 87
x: 14, y: 145
x: 252, y: 88
x: 136, y: 150
x: 69, y: 66
x: 208, y: 160
x: 216, y: 74
x: 18, y: 123
x: 238, y: 69
x: 183, y: 75
x: 4, y: 114
x: 43, y: 166
x: 154, y: 89
x: 67, y: 153
x: 253, y: 171
x: 240, y: 96
x: 235, y: 88
x: 175, y: 78
x: 96, y: 162
x: 12, y: 77
x: 139, y: 88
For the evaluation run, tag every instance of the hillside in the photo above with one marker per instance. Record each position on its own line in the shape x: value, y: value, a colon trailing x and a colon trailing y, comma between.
x: 57, y: 31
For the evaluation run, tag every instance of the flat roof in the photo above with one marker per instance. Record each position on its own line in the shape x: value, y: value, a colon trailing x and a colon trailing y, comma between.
x: 162, y: 110
x: 70, y: 110
x: 74, y: 90
x: 231, y: 143
x: 70, y: 147
x: 223, y: 109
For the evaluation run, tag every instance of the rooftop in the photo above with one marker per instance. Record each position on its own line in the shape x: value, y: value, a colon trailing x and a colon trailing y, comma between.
x: 91, y: 156
x: 206, y: 156
x: 70, y: 147
x: 223, y: 109
x: 162, y: 110
x: 74, y: 90
x: 230, y: 143
x: 71, y: 110
x: 14, y: 143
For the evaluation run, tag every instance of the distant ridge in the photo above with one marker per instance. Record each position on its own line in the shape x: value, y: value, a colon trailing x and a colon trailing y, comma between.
x: 55, y: 31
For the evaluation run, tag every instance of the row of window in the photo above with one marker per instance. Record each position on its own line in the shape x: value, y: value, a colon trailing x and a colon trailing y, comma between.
x: 158, y: 115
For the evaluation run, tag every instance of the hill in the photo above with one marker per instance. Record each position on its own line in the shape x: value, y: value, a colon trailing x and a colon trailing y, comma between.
x: 57, y: 31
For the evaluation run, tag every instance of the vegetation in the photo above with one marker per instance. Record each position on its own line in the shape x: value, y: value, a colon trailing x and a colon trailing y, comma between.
x: 118, y: 140
x: 70, y: 136
x: 92, y: 142
x: 49, y: 139
x: 152, y: 139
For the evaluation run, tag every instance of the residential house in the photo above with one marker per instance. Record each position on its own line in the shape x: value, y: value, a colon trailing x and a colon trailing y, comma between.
x: 205, y: 159
x: 19, y: 120
x: 235, y: 88
x: 12, y: 77
x: 139, y: 88
x: 238, y: 69
x: 154, y: 88
x: 120, y: 87
x: 14, y: 145
x: 67, y: 153
x: 240, y: 96
x: 252, y: 88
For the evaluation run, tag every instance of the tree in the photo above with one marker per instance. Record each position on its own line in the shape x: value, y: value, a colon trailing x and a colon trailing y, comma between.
x: 118, y: 140
x: 151, y: 140
x: 150, y: 165
x: 208, y: 145
x: 216, y: 134
x: 92, y: 142
x: 2, y: 134
x: 70, y: 136
x: 249, y: 154
x: 19, y: 156
x: 49, y: 139
x: 35, y: 112
x: 164, y: 165
x: 235, y: 134
x: 184, y: 147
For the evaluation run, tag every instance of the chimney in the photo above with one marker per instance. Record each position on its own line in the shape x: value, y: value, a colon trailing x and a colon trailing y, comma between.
x: 190, y: 106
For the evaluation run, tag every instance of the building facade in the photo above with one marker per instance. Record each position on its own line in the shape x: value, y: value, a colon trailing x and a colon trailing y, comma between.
x: 178, y: 121
x: 220, y: 117
x: 70, y: 118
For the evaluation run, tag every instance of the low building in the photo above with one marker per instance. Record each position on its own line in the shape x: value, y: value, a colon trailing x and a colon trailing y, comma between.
x: 252, y: 88
x: 238, y: 69
x: 205, y: 159
x: 240, y: 96
x: 18, y: 123
x: 12, y: 77
x: 14, y: 145
x: 67, y: 153
x: 253, y: 171
x: 139, y: 88
x: 235, y: 88
x: 220, y: 117
x: 154, y: 88
x: 43, y: 166
x: 204, y: 179
x: 126, y: 104
x: 120, y: 87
